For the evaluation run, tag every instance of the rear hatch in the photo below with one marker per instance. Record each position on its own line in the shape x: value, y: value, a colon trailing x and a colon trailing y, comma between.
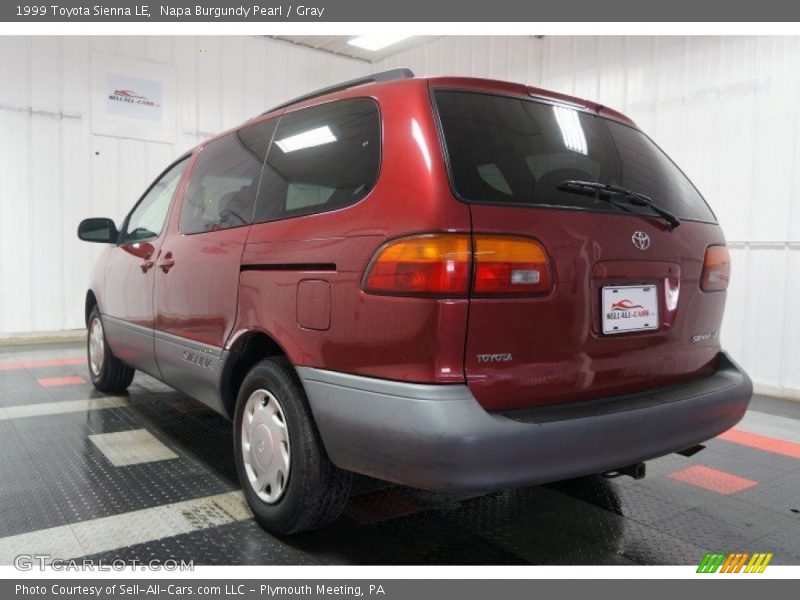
x: 625, y: 310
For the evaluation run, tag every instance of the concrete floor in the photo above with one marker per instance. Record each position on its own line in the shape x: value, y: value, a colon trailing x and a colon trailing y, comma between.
x: 150, y: 475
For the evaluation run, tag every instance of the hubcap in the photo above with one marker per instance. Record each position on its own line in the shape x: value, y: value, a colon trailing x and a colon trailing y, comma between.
x: 97, y: 346
x: 265, y: 446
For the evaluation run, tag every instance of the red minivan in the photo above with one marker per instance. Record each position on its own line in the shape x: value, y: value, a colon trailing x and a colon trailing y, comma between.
x: 448, y: 283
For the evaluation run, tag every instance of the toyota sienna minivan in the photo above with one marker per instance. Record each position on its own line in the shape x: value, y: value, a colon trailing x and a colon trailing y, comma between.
x: 449, y: 283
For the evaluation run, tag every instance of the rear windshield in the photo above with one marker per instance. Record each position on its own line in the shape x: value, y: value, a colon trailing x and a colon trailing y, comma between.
x: 512, y: 151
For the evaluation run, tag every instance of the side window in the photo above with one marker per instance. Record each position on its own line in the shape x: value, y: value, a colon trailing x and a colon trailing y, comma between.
x: 223, y: 184
x: 322, y: 158
x: 147, y: 218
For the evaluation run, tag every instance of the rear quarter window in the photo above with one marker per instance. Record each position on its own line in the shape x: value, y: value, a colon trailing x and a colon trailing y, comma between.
x: 322, y: 158
x: 223, y: 184
x: 514, y: 151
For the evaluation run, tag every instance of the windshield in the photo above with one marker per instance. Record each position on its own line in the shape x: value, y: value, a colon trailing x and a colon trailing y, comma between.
x: 512, y: 151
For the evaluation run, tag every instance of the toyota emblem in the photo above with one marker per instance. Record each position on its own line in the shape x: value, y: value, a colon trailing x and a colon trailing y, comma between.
x: 641, y: 240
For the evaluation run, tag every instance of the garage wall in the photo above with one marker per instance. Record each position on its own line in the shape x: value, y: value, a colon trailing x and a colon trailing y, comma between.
x: 726, y: 109
x: 54, y: 171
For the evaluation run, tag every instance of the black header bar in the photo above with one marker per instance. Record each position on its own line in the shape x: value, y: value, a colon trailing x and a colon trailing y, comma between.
x: 268, y: 11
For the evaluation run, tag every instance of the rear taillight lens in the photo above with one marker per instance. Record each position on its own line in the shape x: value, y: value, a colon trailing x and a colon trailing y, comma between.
x: 716, y: 269
x: 426, y: 265
x: 440, y: 265
x: 510, y: 265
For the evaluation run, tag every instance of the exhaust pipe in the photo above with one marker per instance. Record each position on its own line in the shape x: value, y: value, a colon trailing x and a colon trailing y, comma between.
x: 637, y: 471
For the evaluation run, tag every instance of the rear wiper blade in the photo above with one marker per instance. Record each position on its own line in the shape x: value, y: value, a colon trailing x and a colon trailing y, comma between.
x: 606, y: 190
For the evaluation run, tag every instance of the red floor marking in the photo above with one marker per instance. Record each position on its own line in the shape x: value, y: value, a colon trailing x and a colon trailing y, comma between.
x: 713, y: 480
x: 39, y: 363
x: 762, y: 442
x: 54, y: 381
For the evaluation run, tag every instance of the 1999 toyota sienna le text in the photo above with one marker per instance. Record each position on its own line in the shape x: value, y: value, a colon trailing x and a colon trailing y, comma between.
x: 448, y: 283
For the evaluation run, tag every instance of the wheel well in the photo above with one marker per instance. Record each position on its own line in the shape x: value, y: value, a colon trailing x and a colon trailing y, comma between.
x: 91, y: 302
x: 249, y: 349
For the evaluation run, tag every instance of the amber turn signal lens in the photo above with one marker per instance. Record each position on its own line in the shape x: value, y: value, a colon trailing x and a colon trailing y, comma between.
x: 506, y: 265
x: 716, y: 269
x: 423, y: 265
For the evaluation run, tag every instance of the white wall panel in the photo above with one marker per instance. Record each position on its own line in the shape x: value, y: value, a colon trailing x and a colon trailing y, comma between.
x: 105, y: 43
x: 45, y: 85
x: 133, y: 46
x: 54, y: 171
x: 76, y: 198
x: 185, y: 61
x: 278, y: 82
x: 790, y: 363
x: 15, y: 221
x: 159, y: 49
x: 104, y: 177
x: 45, y: 234
x: 209, y: 78
x: 736, y: 307
x: 726, y: 109
x: 232, y: 88
x: 75, y: 78
x: 763, y: 326
x: 255, y: 85
x: 131, y: 174
x: 157, y: 157
x: 15, y: 91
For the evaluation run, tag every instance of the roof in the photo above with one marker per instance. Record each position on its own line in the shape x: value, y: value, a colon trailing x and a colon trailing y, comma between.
x: 467, y: 83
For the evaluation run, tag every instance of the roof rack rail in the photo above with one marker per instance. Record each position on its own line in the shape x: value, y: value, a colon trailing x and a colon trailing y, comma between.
x: 390, y: 75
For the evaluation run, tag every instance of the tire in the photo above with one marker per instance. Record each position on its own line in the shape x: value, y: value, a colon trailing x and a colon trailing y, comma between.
x: 108, y: 373
x: 314, y: 491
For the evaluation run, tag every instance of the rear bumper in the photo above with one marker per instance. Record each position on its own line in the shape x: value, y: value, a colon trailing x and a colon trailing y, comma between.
x: 438, y: 437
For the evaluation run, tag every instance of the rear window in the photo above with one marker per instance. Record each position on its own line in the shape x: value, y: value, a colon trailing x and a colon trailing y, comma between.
x: 321, y: 158
x: 512, y: 151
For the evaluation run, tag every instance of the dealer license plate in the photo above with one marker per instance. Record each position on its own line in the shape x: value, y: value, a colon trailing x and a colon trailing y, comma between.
x: 630, y: 308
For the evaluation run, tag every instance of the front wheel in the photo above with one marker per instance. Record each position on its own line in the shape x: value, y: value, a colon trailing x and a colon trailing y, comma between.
x: 288, y: 480
x: 108, y: 373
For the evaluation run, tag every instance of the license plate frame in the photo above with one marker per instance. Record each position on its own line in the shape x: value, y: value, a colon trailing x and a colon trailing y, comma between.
x: 629, y: 308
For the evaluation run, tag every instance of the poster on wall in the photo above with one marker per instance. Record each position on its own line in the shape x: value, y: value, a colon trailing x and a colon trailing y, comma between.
x: 133, y: 98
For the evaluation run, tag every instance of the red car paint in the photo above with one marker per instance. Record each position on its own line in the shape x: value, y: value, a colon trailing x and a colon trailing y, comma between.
x: 217, y: 287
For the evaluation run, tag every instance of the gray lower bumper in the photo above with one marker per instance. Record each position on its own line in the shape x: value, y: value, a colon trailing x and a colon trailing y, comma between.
x: 438, y: 437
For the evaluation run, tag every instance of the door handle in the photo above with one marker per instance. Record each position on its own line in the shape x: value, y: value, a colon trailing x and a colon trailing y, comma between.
x: 147, y: 263
x: 167, y: 262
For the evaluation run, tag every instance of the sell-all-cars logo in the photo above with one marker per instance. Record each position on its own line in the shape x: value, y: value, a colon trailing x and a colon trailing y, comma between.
x: 641, y: 240
x: 735, y: 562
x: 131, y: 97
x: 625, y: 309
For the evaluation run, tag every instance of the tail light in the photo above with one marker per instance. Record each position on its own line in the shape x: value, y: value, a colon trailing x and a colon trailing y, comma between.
x: 510, y: 265
x: 716, y: 269
x: 441, y: 265
x: 426, y: 265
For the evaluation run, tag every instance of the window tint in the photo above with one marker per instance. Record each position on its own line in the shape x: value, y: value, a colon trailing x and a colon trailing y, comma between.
x: 147, y: 219
x: 514, y: 151
x: 322, y: 158
x: 223, y: 184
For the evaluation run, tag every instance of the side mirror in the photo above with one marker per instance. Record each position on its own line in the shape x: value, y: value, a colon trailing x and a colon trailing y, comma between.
x: 102, y: 231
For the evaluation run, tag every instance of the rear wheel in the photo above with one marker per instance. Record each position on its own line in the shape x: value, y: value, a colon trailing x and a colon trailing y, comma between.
x: 108, y: 373
x: 288, y: 480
